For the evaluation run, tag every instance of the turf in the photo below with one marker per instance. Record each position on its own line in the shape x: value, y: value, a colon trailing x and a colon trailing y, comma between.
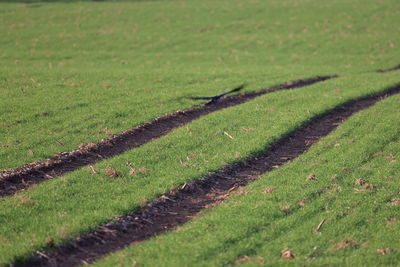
x: 64, y: 207
x: 77, y: 72
x: 253, y: 228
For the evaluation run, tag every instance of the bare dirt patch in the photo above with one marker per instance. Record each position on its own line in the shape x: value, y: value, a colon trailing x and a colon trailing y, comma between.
x: 390, y: 69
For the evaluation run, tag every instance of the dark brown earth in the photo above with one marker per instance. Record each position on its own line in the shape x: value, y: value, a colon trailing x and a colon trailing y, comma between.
x: 17, y: 179
x: 182, y: 204
x: 390, y: 69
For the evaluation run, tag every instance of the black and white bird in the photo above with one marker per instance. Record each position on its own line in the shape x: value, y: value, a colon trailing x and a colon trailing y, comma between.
x: 214, y: 99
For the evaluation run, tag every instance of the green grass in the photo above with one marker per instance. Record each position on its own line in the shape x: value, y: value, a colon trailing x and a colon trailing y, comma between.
x: 253, y: 224
x: 77, y: 72
x: 100, y: 68
x: 79, y: 201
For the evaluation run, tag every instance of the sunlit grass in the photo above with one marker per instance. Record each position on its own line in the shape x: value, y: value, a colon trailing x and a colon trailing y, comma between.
x: 77, y: 72
x: 354, y: 198
x: 99, y: 68
x: 79, y: 201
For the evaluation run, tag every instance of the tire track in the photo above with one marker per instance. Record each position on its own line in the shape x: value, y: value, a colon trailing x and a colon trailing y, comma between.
x: 182, y: 204
x: 17, y: 179
x: 390, y: 69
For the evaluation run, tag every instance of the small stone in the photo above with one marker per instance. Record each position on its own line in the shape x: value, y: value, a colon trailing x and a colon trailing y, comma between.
x: 302, y: 203
x: 384, y: 251
x: 132, y: 172
x: 268, y: 190
x: 90, y: 145
x: 50, y: 241
x: 286, y: 209
x: 143, y: 170
x: 391, y: 221
x: 111, y: 172
x: 288, y: 254
x: 360, y: 181
x: 369, y: 186
x: 311, y: 177
x: 380, y: 251
x: 242, y: 259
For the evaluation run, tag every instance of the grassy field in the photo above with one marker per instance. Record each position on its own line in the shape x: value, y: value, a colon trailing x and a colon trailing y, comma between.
x: 360, y: 220
x: 77, y: 72
x: 64, y: 207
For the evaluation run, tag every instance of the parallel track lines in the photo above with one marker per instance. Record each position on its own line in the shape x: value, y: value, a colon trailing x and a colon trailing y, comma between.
x: 182, y: 204
x: 14, y: 180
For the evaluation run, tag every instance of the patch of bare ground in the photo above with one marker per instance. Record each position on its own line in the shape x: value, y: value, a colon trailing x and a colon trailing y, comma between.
x: 182, y: 204
x: 17, y: 179
x: 390, y: 69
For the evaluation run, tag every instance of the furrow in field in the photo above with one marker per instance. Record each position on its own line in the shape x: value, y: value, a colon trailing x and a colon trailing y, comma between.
x: 182, y: 204
x: 390, y: 69
x: 17, y: 179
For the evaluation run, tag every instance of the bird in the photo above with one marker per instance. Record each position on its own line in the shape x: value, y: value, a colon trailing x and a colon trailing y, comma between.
x: 214, y: 99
